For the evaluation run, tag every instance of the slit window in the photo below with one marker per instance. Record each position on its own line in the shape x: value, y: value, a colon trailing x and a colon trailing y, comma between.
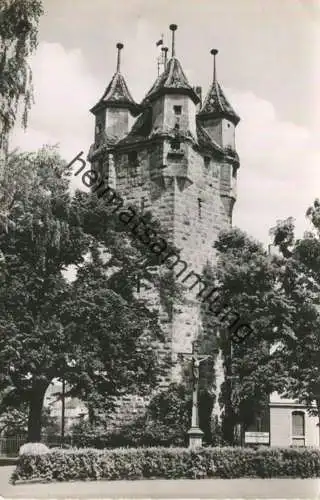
x: 142, y: 204
x: 199, y: 208
x: 138, y: 284
x: 177, y: 110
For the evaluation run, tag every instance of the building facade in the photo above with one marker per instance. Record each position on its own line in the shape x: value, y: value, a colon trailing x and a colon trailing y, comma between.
x: 291, y: 424
x: 179, y: 162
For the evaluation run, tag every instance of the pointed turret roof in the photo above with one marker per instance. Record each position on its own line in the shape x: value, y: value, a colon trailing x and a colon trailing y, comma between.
x: 216, y: 104
x: 117, y: 93
x: 173, y: 79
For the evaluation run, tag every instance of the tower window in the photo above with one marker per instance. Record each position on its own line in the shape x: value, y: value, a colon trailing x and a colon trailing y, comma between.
x: 207, y: 161
x: 98, y: 128
x: 133, y: 158
x: 177, y: 110
x: 199, y: 207
x: 298, y: 428
x: 175, y: 144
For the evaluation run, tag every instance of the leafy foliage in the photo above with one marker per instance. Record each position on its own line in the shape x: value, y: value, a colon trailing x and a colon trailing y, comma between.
x: 247, y: 282
x: 18, y: 39
x: 301, y: 282
x: 168, y: 463
x: 92, y: 330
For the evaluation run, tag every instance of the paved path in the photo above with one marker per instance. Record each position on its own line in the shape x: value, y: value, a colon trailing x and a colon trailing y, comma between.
x: 180, y: 488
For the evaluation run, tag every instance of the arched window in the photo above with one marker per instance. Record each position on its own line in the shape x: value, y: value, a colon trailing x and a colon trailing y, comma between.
x: 298, y: 428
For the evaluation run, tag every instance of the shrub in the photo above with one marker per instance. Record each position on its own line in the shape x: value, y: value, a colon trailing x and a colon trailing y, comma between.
x: 33, y: 449
x: 170, y: 463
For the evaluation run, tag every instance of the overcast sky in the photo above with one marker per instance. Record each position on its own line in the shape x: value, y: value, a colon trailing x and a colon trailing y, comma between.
x: 267, y: 65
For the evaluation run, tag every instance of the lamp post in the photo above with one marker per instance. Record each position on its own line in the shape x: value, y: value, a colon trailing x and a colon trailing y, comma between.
x: 195, y: 433
x: 63, y: 411
x: 70, y: 363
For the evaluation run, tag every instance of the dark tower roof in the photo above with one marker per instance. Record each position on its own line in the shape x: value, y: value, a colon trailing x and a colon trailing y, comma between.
x: 117, y: 94
x: 173, y: 79
x: 216, y: 105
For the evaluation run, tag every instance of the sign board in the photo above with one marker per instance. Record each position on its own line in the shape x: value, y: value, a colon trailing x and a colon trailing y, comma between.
x: 256, y: 437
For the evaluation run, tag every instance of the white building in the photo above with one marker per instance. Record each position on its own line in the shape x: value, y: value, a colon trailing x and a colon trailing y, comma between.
x: 290, y: 423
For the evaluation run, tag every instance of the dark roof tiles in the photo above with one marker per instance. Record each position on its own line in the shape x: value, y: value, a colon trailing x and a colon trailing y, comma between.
x: 172, y: 80
x: 116, y: 94
x: 217, y: 105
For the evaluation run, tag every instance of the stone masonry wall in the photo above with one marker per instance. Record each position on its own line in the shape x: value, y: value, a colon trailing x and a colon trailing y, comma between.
x: 192, y: 212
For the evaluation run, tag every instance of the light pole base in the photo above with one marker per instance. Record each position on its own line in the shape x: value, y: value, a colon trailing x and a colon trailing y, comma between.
x: 195, y: 437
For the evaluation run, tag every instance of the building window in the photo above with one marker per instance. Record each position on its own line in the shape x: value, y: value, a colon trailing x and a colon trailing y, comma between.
x: 133, y: 158
x: 175, y: 144
x: 98, y: 128
x: 298, y: 428
x: 177, y: 110
x: 199, y: 207
x: 207, y: 161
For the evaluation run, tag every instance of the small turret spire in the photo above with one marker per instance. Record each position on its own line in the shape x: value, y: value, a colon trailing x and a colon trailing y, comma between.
x: 173, y: 28
x: 119, y: 47
x: 214, y: 52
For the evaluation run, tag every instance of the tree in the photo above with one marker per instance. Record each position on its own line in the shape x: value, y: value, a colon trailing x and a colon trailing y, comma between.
x: 18, y: 39
x: 92, y: 331
x: 247, y: 282
x: 301, y: 283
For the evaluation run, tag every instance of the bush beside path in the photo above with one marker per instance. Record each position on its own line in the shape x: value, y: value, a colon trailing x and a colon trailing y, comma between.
x: 167, y: 463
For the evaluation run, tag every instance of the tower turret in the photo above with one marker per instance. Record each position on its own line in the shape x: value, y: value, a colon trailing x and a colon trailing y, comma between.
x: 113, y: 109
x: 217, y: 115
x: 219, y: 121
x: 172, y: 99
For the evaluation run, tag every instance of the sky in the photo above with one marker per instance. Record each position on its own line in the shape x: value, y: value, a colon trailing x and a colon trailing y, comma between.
x: 266, y: 65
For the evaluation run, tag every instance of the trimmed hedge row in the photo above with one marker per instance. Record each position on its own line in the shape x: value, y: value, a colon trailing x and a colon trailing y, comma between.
x: 169, y: 463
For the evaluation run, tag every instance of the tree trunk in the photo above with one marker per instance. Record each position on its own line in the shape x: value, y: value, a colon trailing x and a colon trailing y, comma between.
x: 35, y: 411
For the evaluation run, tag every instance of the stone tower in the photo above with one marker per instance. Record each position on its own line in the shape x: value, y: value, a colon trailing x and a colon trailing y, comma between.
x: 178, y: 161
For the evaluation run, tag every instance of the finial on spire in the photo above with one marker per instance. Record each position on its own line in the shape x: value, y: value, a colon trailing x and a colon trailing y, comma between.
x: 173, y: 28
x: 119, y: 47
x: 214, y: 52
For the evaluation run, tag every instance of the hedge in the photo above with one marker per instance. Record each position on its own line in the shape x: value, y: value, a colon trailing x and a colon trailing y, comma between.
x: 169, y: 463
